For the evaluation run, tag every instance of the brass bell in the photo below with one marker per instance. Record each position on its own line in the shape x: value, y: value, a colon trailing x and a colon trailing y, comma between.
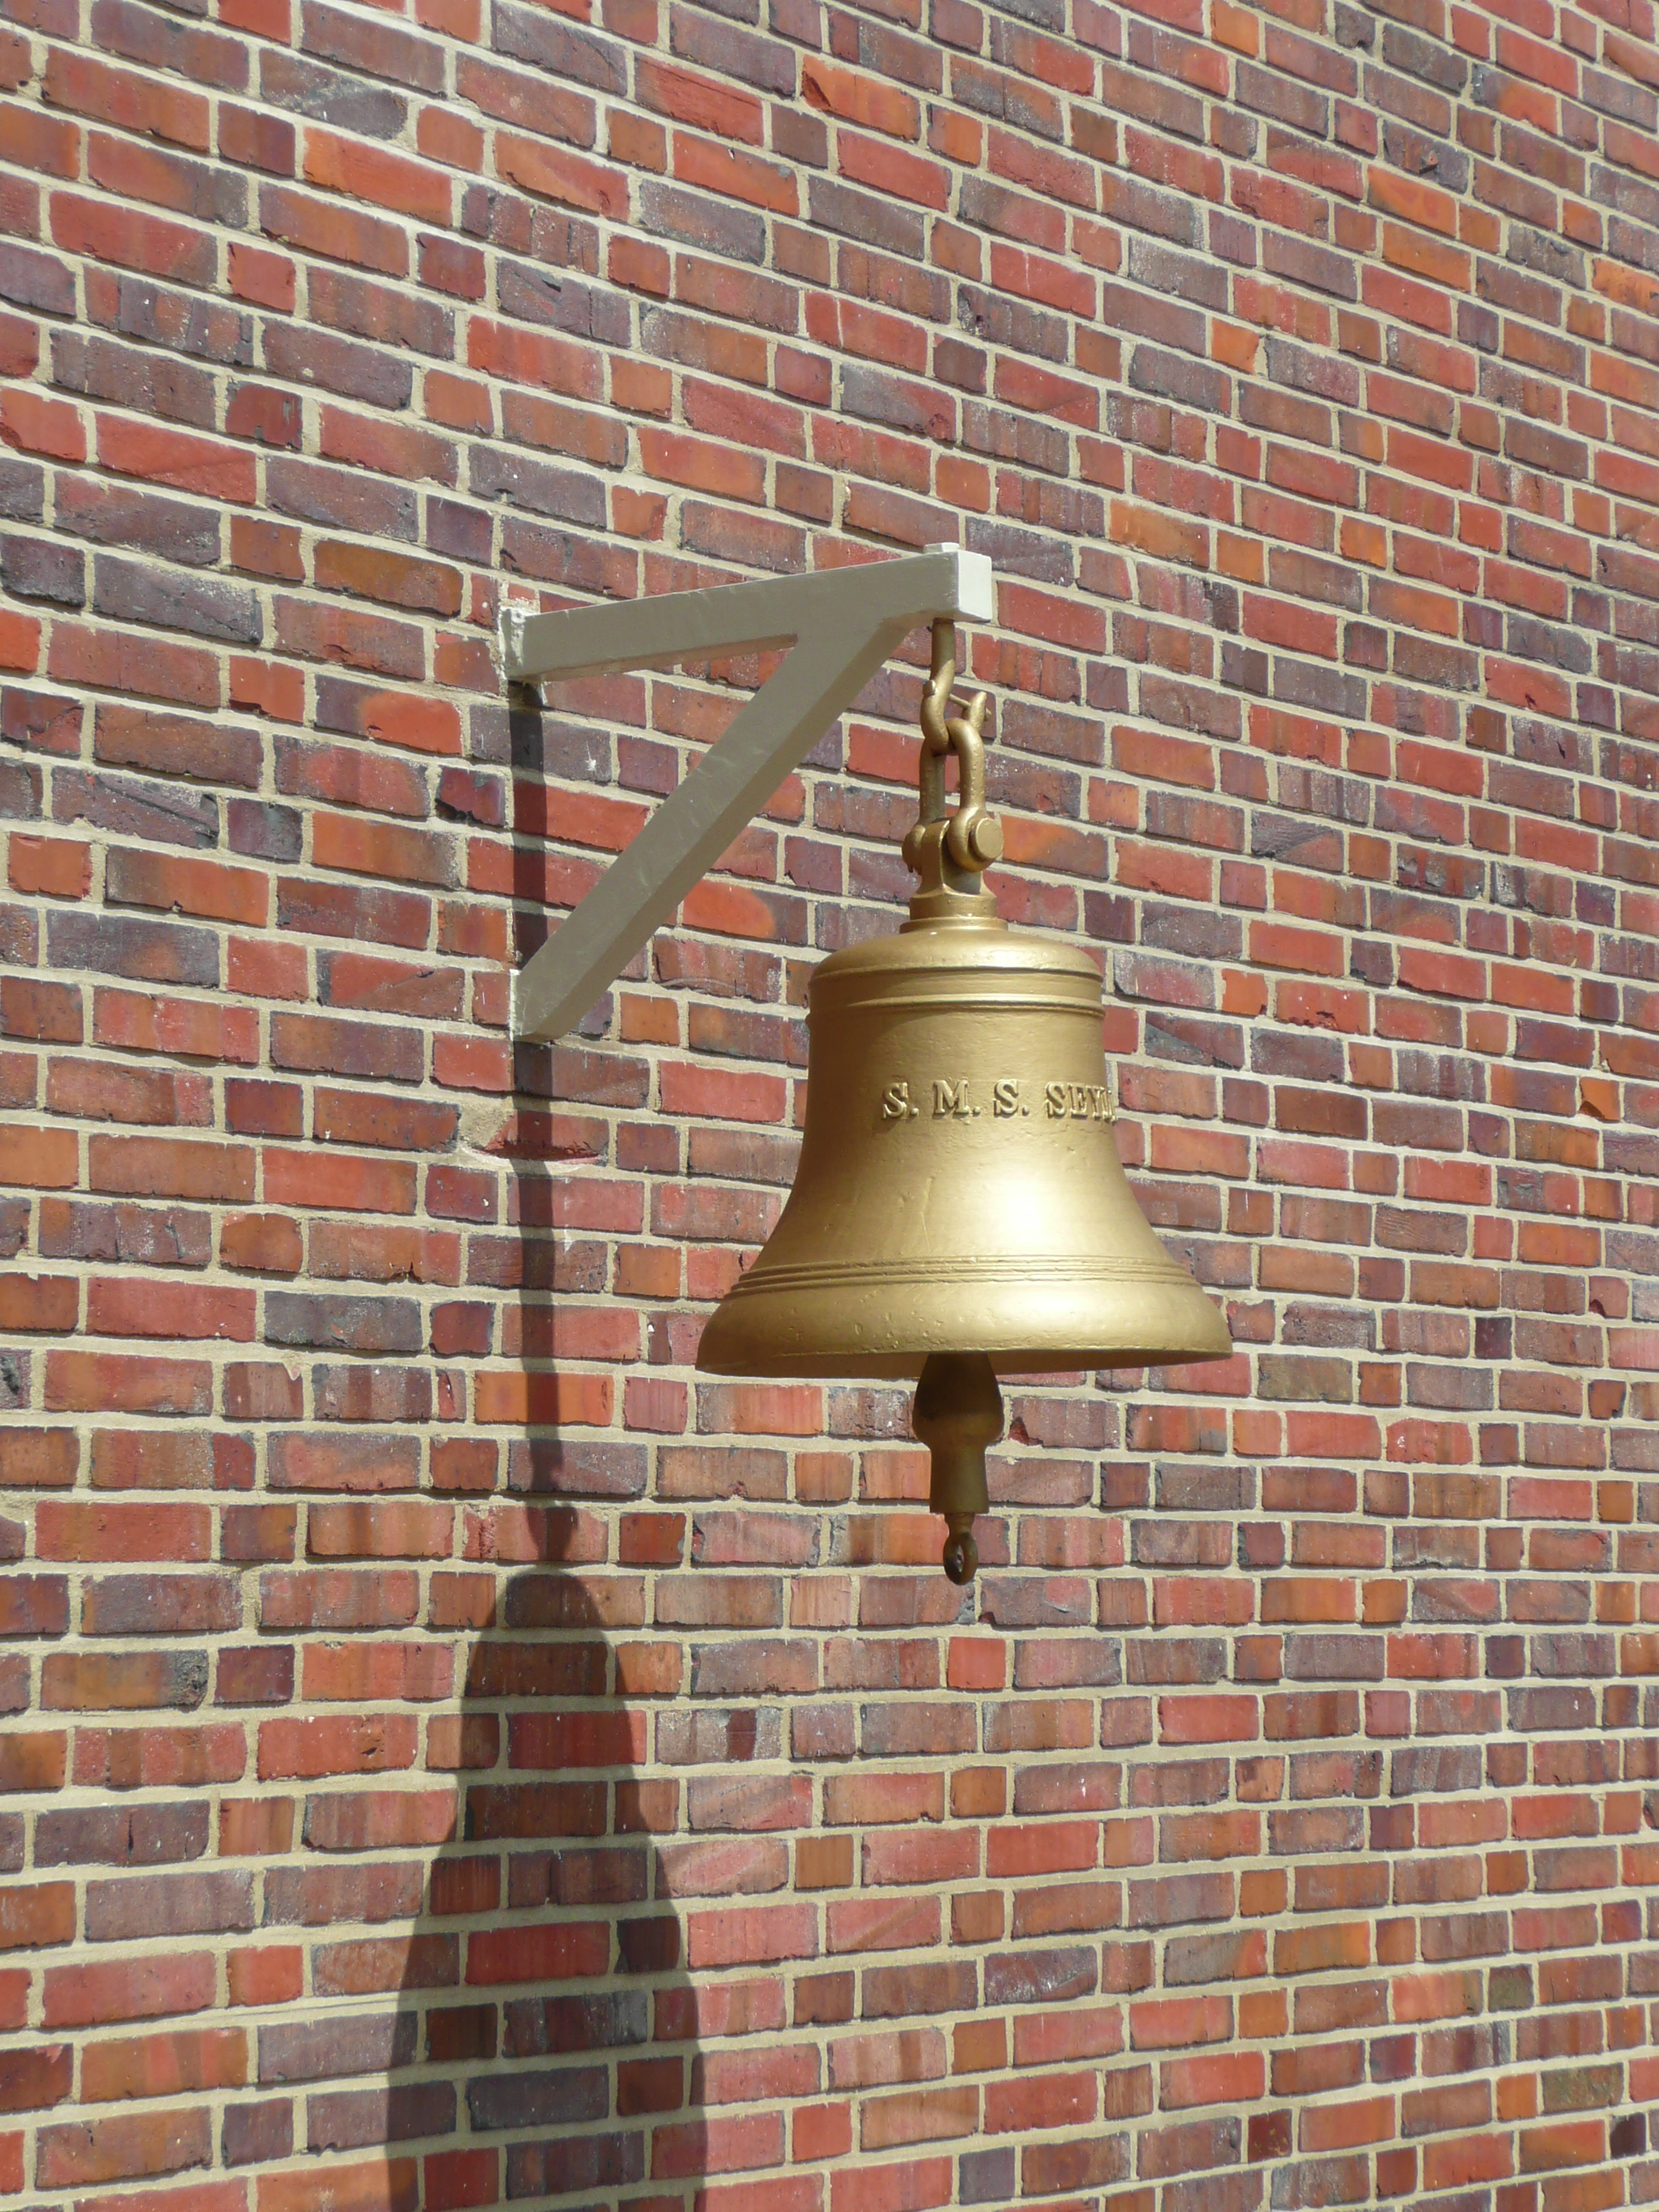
x: 959, y: 1208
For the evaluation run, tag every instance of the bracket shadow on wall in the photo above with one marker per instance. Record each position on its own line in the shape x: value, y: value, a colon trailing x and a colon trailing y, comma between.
x: 841, y: 625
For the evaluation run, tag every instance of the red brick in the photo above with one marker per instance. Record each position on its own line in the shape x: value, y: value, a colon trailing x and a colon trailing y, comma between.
x: 110, y: 1991
x: 175, y: 458
x: 40, y: 1159
x: 339, y: 164
x: 31, y: 424
x: 383, y: 2184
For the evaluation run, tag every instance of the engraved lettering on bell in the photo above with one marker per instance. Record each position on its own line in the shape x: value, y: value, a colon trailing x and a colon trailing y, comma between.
x: 1080, y: 1101
x: 958, y: 1100
x: 995, y: 1239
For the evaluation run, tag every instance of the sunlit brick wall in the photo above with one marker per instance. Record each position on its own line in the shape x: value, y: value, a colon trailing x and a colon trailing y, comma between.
x: 456, y: 1757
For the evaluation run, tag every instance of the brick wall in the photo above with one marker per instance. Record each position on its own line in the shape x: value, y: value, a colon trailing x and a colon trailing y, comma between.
x: 454, y: 1755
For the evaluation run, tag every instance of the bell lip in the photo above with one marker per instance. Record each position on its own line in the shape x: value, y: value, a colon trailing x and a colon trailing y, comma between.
x: 773, y: 1321
x: 1173, y: 1347
x: 906, y: 1366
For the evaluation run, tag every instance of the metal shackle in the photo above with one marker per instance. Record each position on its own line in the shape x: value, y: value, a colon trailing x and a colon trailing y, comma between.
x: 972, y: 836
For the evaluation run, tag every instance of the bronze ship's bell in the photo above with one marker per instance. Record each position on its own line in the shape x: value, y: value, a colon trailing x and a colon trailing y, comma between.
x: 959, y: 1208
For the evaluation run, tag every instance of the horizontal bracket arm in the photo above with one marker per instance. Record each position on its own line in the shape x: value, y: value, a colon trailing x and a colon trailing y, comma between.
x: 840, y: 624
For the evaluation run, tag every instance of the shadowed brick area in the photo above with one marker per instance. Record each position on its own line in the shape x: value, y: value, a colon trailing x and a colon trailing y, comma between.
x: 453, y: 1757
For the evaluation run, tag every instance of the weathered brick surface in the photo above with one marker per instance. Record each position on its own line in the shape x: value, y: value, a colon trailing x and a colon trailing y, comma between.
x: 453, y: 1756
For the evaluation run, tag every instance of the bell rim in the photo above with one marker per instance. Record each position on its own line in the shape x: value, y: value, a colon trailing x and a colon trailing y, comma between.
x: 1017, y: 1359
x: 1185, y: 1327
x: 765, y: 1280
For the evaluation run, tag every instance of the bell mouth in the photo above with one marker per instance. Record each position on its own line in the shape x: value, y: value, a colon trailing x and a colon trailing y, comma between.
x: 1028, y: 1317
x: 906, y: 1367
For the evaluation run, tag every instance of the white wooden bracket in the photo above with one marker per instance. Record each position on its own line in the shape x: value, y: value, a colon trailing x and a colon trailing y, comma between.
x: 841, y: 625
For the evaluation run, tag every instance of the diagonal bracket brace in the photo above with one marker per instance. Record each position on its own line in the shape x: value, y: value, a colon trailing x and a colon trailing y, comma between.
x: 840, y: 625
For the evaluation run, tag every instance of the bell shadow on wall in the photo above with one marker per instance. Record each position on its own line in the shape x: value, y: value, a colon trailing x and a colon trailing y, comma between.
x: 554, y: 2039
x: 544, y: 1951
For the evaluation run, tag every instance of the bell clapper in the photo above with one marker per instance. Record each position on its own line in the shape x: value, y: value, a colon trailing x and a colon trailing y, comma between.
x: 957, y: 1414
x: 960, y: 1557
